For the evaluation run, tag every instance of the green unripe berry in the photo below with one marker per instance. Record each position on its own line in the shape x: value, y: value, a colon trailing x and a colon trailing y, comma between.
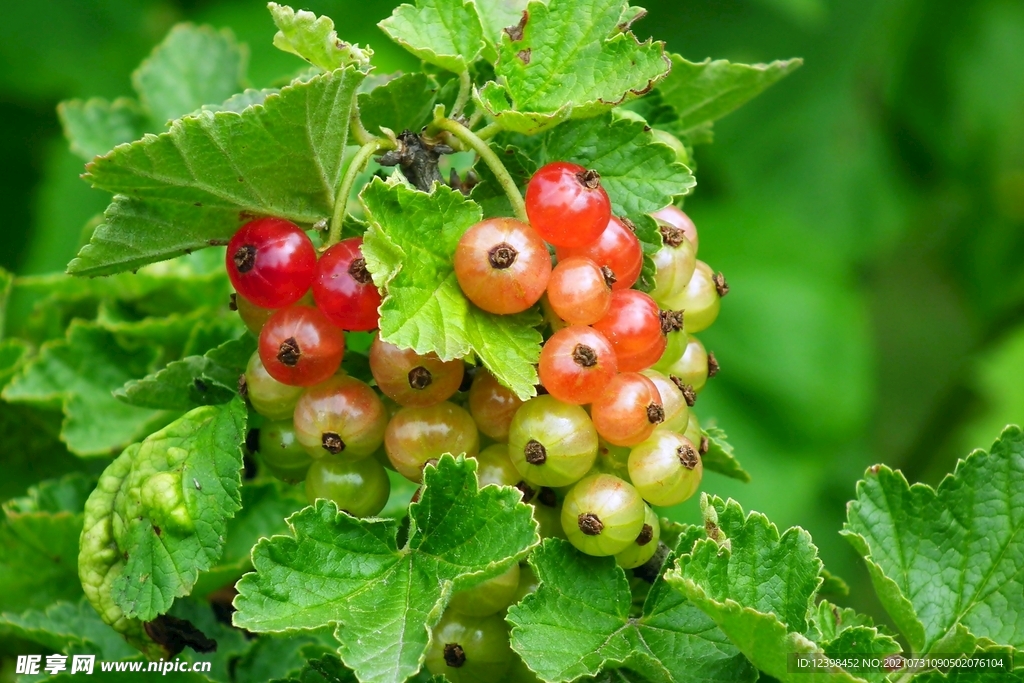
x: 469, y: 649
x: 358, y: 487
x: 602, y: 515
x: 281, y: 452
x: 645, y: 544
x: 552, y: 443
x: 666, y: 468
x: 489, y: 597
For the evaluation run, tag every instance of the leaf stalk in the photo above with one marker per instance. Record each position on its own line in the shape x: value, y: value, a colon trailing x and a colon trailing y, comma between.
x: 355, y: 167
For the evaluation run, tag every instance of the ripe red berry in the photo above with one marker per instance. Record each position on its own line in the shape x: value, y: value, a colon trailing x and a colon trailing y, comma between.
x: 492, y: 405
x: 270, y: 262
x: 628, y: 410
x: 343, y: 289
x: 502, y: 265
x: 634, y: 328
x: 567, y: 205
x: 576, y: 364
x: 579, y: 292
x: 617, y: 249
x: 410, y: 379
x: 299, y: 346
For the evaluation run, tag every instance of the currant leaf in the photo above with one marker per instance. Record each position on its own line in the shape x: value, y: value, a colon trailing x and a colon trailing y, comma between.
x: 372, y: 589
x: 403, y: 103
x: 640, y: 174
x: 496, y: 16
x: 578, y: 623
x: 193, y: 185
x: 721, y: 457
x: 946, y: 562
x: 445, y: 33
x: 758, y: 586
x: 409, y: 251
x: 159, y: 516
x: 314, y: 39
x: 569, y: 59
x: 96, y: 126
x: 193, y: 381
x: 281, y: 657
x: 63, y: 625
x: 193, y: 66
x: 6, y: 284
x: 77, y: 374
x: 703, y: 92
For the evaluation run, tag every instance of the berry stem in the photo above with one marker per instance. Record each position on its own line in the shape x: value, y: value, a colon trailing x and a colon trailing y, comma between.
x: 489, y: 131
x: 491, y: 159
x: 357, y: 129
x: 355, y: 167
x: 465, y: 87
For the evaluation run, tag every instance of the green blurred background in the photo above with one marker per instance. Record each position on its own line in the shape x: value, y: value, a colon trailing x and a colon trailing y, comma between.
x: 868, y: 211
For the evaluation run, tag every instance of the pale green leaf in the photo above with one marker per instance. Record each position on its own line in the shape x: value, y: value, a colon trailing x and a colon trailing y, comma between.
x: 192, y: 381
x: 947, y: 562
x: 757, y: 585
x: 570, y: 58
x: 192, y: 186
x: 77, y: 375
x: 703, y: 92
x: 720, y: 456
x: 335, y: 569
x: 96, y: 126
x: 193, y: 66
x: 314, y: 39
x: 243, y: 100
x: 405, y: 102
x: 446, y: 33
x: 409, y: 250
x: 496, y: 16
x: 578, y: 623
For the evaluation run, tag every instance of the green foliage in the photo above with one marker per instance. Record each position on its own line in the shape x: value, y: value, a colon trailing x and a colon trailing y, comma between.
x: 374, y: 588
x: 446, y: 33
x: 314, y: 39
x: 721, y: 457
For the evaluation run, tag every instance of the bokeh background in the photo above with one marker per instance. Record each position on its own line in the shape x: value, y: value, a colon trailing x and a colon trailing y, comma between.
x: 868, y: 212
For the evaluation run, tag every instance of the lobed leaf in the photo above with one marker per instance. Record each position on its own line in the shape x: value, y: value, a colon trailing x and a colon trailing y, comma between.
x: 947, y: 562
x: 384, y: 599
x: 445, y: 33
x: 721, y: 457
x: 94, y: 127
x: 77, y: 375
x: 577, y: 624
x: 405, y: 102
x: 64, y: 624
x: 758, y: 586
x: 193, y: 66
x: 569, y: 59
x: 159, y: 516
x: 409, y: 250
x: 191, y: 187
x: 37, y: 566
x: 314, y: 39
x: 193, y: 381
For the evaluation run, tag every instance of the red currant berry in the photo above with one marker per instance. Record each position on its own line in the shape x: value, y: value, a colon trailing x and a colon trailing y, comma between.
x: 342, y: 417
x: 576, y: 364
x: 270, y: 262
x: 343, y: 289
x: 550, y: 317
x: 645, y: 545
x: 628, y: 410
x: 360, y: 488
x: 492, y: 405
x: 634, y: 328
x: 502, y: 265
x: 411, y: 379
x: 701, y: 299
x: 617, y: 249
x: 579, y: 292
x: 666, y: 468
x: 415, y: 436
x: 673, y: 218
x: 300, y: 347
x: 270, y: 398
x: 677, y: 411
x: 674, y: 264
x: 602, y: 515
x: 253, y: 316
x: 552, y: 443
x: 281, y: 452
x: 567, y: 205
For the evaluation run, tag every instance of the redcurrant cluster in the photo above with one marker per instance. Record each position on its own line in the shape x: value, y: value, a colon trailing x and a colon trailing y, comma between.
x: 619, y: 372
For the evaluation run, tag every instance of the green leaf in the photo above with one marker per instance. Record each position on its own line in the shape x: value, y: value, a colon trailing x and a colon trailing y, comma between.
x: 335, y: 569
x: 275, y: 657
x: 571, y: 58
x: 446, y: 33
x: 183, y: 384
x: 37, y: 566
x: 649, y: 235
x: 757, y: 585
x: 193, y: 185
x: 409, y: 250
x: 243, y: 100
x: 78, y: 374
x: 640, y: 174
x: 64, y: 624
x: 327, y: 669
x: 96, y: 126
x: 159, y: 516
x: 27, y: 432
x: 13, y: 354
x: 403, y: 103
x: 6, y: 282
x: 703, y: 92
x: 193, y: 66
x: 946, y: 562
x: 67, y: 494
x: 578, y: 623
x: 720, y: 456
x: 314, y: 39
x: 496, y: 16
